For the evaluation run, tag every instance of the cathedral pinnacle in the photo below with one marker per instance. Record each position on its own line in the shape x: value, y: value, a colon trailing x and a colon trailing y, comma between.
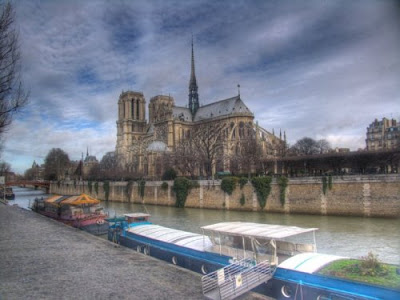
x: 193, y: 94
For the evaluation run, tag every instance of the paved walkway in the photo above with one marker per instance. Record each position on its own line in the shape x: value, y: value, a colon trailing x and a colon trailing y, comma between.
x: 43, y: 259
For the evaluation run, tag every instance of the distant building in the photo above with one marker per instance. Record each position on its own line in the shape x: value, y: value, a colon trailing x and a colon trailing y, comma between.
x: 383, y: 135
x: 37, y: 171
x: 83, y: 167
x: 341, y: 150
x: 141, y: 143
x: 88, y: 163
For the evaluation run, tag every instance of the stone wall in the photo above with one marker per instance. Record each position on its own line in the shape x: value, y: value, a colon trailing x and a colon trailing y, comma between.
x: 376, y: 196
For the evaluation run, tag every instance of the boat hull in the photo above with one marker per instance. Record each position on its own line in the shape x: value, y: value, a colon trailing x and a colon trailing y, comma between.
x: 290, y: 284
x: 198, y: 261
x: 189, y: 257
x: 93, y: 224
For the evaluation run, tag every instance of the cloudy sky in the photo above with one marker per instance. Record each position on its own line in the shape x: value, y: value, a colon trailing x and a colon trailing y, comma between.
x: 323, y: 69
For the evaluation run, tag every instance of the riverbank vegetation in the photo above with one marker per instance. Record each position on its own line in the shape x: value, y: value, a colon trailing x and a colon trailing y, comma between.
x: 262, y: 185
x: 181, y: 189
x: 228, y: 184
x: 283, y: 183
x: 368, y: 269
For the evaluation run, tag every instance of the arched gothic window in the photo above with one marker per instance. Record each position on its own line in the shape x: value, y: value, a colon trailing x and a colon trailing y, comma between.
x: 241, y: 130
x: 137, y: 109
x: 133, y: 108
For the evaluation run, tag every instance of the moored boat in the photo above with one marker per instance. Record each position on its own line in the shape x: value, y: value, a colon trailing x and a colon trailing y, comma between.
x: 278, y: 261
x: 82, y: 211
x: 8, y: 194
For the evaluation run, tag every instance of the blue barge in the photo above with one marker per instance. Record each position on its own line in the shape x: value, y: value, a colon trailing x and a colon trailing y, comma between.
x: 290, y: 255
x: 178, y: 247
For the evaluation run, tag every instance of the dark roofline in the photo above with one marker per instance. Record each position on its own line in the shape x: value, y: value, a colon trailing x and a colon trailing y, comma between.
x: 339, y: 154
x: 212, y: 103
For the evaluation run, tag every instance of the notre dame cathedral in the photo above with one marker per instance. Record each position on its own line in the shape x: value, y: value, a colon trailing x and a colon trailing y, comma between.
x: 141, y: 144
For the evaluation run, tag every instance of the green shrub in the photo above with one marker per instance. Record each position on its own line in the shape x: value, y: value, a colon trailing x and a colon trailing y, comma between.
x: 228, y: 184
x: 324, y: 185
x: 169, y: 174
x: 371, y: 266
x: 282, y: 182
x: 181, y: 188
x: 128, y: 188
x: 242, y: 200
x: 106, y: 189
x: 96, y: 187
x: 89, y: 184
x: 58, y: 183
x: 242, y: 182
x: 75, y: 183
x: 142, y: 184
x: 262, y: 185
x: 164, y: 186
x: 330, y: 182
x: 368, y: 269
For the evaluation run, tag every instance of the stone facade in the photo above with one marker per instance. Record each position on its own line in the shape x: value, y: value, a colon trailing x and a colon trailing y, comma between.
x: 140, y: 144
x: 365, y: 196
x: 383, y: 135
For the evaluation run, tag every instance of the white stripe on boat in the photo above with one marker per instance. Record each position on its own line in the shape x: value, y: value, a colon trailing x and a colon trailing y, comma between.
x: 173, y: 236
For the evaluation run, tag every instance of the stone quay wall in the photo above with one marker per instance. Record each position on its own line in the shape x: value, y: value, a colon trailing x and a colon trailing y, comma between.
x: 368, y: 196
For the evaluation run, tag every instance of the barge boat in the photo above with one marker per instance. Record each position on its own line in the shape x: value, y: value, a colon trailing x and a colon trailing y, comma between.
x: 235, y: 257
x: 8, y: 194
x: 82, y: 211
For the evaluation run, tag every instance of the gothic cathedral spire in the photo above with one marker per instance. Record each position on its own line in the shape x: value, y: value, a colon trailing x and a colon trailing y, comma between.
x: 193, y: 94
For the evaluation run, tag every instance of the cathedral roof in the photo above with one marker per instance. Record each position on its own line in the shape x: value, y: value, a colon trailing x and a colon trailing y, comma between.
x: 221, y: 108
x: 182, y: 113
x: 90, y: 159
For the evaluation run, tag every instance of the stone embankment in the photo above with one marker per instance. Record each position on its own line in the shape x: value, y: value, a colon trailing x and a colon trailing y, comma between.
x: 43, y: 259
x: 367, y: 196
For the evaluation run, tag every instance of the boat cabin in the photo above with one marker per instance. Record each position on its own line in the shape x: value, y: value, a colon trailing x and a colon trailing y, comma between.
x: 69, y: 207
x: 262, y: 242
x: 136, y: 217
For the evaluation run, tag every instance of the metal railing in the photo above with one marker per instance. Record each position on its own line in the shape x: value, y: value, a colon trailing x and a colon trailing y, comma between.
x: 236, y: 279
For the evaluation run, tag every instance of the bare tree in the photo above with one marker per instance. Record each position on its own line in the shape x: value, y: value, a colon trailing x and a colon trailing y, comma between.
x: 305, y: 146
x: 323, y: 146
x: 56, y: 164
x: 4, y: 168
x: 12, y: 94
x: 208, y: 141
x: 187, y: 157
x: 248, y: 155
x: 109, y: 167
x: 29, y: 174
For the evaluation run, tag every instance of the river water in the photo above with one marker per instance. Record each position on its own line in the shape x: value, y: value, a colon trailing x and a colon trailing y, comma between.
x: 345, y: 236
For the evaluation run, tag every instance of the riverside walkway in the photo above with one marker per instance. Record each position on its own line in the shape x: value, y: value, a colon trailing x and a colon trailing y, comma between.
x: 43, y: 259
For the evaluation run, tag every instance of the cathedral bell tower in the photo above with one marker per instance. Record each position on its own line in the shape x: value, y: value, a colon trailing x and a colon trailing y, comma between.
x: 193, y: 94
x: 131, y: 123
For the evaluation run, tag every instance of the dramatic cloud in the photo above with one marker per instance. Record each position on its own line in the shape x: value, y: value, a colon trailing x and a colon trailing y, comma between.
x: 323, y: 69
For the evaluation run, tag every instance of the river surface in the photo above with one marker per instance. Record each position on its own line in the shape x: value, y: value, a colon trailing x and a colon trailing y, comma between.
x: 345, y: 236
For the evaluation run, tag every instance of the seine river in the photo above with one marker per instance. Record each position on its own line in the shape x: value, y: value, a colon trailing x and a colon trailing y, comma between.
x: 346, y: 236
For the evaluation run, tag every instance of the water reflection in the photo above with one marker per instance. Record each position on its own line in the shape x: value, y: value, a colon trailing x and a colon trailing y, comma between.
x: 347, y: 236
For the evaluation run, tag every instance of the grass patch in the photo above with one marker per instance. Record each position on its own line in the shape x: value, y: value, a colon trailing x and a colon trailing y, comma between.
x: 354, y: 269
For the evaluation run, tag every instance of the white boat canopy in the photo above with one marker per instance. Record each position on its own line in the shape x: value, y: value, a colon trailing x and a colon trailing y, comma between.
x: 172, y: 236
x: 256, y: 230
